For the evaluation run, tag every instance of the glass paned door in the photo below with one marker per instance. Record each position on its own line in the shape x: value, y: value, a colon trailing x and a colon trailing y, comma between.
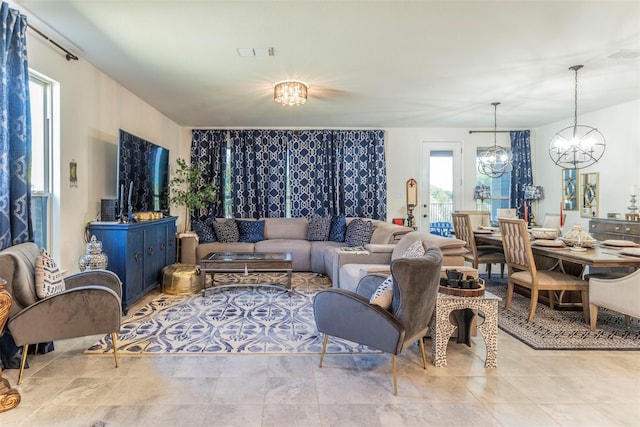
x: 441, y: 184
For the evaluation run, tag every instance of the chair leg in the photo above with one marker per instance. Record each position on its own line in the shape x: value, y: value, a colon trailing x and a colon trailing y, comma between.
x: 502, y: 271
x: 424, y: 356
x: 593, y: 318
x: 509, y: 297
x: 489, y: 270
x: 114, y: 341
x: 551, y: 296
x: 23, y: 362
x: 533, y: 304
x: 395, y: 375
x: 627, y: 320
x: 324, y: 348
x: 585, y: 306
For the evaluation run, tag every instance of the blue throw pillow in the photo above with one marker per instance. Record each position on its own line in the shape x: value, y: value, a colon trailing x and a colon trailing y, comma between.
x: 359, y: 233
x: 250, y: 231
x: 338, y: 228
x: 204, y: 230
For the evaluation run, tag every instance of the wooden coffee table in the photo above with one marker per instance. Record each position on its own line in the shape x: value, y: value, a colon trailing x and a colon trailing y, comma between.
x: 246, y: 263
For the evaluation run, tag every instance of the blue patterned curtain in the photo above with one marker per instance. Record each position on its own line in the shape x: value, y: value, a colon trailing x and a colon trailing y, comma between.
x: 210, y: 146
x: 362, y: 173
x: 521, y: 175
x: 258, y: 173
x: 15, y: 132
x: 312, y: 173
x: 325, y: 172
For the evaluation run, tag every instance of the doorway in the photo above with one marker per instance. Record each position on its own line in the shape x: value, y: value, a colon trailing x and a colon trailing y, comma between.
x: 441, y: 184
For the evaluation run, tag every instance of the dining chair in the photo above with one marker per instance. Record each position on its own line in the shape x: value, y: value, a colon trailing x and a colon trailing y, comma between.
x: 553, y: 220
x: 476, y: 255
x: 522, y: 270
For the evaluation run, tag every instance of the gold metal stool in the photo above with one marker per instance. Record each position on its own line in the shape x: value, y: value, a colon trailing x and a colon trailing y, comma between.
x: 181, y: 279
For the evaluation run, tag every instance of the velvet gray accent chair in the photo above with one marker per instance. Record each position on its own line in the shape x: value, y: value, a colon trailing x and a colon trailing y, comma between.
x: 89, y: 305
x: 349, y: 315
x: 524, y: 272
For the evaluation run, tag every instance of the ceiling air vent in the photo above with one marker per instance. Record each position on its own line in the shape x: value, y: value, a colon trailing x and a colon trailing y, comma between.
x: 255, y: 51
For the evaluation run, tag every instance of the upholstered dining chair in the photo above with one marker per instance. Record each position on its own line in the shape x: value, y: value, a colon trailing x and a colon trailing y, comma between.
x: 476, y: 255
x: 620, y: 294
x: 522, y: 270
x: 351, y: 316
x: 90, y: 304
x: 553, y: 220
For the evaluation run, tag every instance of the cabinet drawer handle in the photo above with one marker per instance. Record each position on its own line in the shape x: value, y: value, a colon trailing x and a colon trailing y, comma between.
x: 162, y: 245
x: 138, y: 256
x: 617, y: 228
x: 171, y: 242
x: 150, y: 250
x: 627, y: 229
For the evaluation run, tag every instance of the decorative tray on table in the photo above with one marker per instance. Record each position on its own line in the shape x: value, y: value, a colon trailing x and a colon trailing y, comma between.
x: 455, y: 284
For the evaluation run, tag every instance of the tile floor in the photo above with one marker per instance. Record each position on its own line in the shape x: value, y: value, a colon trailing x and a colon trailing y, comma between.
x: 529, y: 388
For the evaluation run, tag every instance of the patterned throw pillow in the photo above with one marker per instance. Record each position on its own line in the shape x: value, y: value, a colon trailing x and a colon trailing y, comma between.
x: 416, y: 250
x: 384, y: 294
x: 319, y: 228
x: 48, y: 276
x: 338, y: 228
x: 226, y: 231
x: 359, y: 233
x: 204, y: 230
x: 250, y: 231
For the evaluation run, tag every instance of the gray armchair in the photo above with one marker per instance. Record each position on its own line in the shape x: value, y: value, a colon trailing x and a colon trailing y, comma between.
x: 348, y: 315
x: 90, y: 304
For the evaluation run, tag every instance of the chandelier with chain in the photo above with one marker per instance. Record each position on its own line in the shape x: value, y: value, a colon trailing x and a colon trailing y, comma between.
x: 496, y: 160
x: 577, y: 146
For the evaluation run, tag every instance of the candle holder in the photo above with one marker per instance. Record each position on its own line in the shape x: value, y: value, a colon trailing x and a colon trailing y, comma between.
x: 633, y: 209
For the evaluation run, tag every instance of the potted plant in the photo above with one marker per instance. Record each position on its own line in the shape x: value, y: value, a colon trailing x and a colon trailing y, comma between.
x: 187, y: 188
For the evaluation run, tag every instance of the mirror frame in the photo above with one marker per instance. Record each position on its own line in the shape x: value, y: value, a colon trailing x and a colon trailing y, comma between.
x: 589, y: 197
x: 569, y: 189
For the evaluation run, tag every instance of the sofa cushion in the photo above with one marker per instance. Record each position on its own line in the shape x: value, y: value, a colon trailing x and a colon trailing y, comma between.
x: 250, y: 231
x: 359, y: 232
x: 285, y: 228
x: 319, y: 227
x: 48, y: 277
x: 204, y: 230
x: 338, y: 228
x: 226, y: 231
x: 299, y: 249
x: 383, y: 294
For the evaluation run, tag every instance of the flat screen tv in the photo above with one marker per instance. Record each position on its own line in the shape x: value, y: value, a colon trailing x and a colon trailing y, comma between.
x: 143, y: 170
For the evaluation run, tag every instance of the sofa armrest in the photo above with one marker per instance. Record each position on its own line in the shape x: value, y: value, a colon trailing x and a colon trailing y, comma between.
x: 188, y: 244
x: 105, y: 278
x: 380, y: 247
x: 336, y: 258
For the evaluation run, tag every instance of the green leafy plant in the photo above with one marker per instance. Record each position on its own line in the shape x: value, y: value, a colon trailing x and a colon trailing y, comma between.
x: 188, y: 190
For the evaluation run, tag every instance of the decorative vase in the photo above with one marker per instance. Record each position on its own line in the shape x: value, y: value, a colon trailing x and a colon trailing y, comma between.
x: 94, y: 259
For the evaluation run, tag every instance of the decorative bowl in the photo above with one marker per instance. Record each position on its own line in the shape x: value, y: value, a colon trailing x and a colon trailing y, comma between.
x: 545, y: 233
x: 577, y: 236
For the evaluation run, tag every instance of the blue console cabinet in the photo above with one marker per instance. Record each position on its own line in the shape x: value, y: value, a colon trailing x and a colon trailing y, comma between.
x: 137, y: 253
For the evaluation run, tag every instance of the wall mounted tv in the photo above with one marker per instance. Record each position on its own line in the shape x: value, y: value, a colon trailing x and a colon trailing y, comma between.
x: 146, y: 165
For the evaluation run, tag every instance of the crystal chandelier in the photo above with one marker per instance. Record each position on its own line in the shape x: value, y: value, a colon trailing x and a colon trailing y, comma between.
x: 496, y: 161
x: 576, y: 146
x: 290, y: 92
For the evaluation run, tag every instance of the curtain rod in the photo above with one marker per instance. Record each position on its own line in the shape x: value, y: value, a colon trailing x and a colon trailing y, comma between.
x: 489, y: 131
x: 68, y: 54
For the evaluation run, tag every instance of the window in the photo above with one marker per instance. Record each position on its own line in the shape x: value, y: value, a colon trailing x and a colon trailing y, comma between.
x: 41, y: 157
x: 500, y: 189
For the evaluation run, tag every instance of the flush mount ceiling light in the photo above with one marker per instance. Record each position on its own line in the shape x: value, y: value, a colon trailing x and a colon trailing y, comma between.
x: 496, y: 161
x: 577, y: 146
x: 290, y: 92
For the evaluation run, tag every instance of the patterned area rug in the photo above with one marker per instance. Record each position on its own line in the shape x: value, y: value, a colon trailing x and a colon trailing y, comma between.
x: 248, y: 319
x: 561, y: 329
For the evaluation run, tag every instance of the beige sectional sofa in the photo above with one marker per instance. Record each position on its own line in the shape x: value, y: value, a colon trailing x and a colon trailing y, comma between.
x: 346, y: 269
x: 290, y: 235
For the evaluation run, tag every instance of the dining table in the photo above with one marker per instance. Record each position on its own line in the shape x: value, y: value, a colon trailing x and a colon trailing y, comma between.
x: 600, y: 255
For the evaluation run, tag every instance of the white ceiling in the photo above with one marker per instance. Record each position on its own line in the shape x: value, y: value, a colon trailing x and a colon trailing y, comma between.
x: 429, y: 63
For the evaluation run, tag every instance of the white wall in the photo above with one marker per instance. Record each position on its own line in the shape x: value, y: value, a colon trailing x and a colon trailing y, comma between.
x: 93, y: 107
x: 618, y: 169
